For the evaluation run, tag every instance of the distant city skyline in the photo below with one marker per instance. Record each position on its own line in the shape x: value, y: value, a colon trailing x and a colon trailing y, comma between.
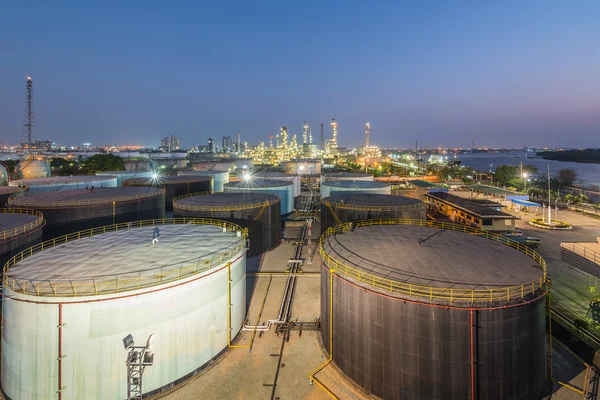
x: 509, y: 74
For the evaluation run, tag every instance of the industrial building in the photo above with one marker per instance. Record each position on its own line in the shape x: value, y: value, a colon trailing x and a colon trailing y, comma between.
x: 18, y: 229
x: 121, y: 175
x: 175, y: 186
x: 220, y: 177
x: 59, y: 183
x: 9, y: 192
x: 184, y: 294
x: 416, y: 310
x: 281, y: 176
x: 282, y: 189
x: 347, y: 186
x: 348, y: 207
x: 260, y: 213
x: 302, y: 166
x: 74, y: 210
x: 346, y: 176
x: 481, y: 214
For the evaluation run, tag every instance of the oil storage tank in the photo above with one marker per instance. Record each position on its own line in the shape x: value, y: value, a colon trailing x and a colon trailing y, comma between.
x: 258, y: 212
x: 282, y: 189
x: 75, y: 210
x: 346, y: 186
x: 125, y: 175
x: 58, y: 183
x: 282, y: 176
x: 302, y: 166
x: 341, y: 207
x: 175, y: 185
x: 346, y: 176
x: 421, y: 311
x: 88, y: 294
x: 31, y: 169
x: 9, y: 192
x: 220, y: 177
x: 18, y: 229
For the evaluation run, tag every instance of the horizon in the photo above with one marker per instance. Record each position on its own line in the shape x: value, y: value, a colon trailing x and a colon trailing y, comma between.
x: 509, y: 75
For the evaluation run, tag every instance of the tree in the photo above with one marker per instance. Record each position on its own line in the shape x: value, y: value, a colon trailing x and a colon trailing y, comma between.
x: 505, y: 173
x: 567, y: 177
x: 103, y: 162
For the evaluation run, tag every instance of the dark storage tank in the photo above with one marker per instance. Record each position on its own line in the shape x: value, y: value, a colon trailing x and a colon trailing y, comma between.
x: 19, y: 229
x: 75, y: 210
x: 9, y: 192
x: 259, y: 212
x: 175, y: 185
x: 421, y: 312
x: 339, y: 208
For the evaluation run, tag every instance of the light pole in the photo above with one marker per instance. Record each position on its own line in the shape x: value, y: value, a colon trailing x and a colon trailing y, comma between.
x: 138, y: 358
x: 525, y: 181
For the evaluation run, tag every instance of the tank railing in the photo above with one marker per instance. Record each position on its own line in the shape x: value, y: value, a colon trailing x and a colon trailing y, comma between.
x: 346, y: 206
x: 185, y: 196
x: 19, y: 230
x: 233, y: 207
x: 582, y: 251
x: 431, y: 293
x: 97, y: 201
x: 119, y: 282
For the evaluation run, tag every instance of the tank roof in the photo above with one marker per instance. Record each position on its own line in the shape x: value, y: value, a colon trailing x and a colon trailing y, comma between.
x: 123, y: 172
x: 13, y: 222
x: 61, y: 180
x: 371, y: 199
x: 258, y: 183
x: 86, y: 196
x: 346, y: 174
x: 121, y: 260
x: 228, y: 199
x: 10, y: 189
x: 432, y: 257
x: 356, y: 184
x: 167, y: 180
x: 200, y: 172
x: 276, y: 174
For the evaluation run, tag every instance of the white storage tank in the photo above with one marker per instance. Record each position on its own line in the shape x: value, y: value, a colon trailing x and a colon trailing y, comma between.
x: 58, y: 183
x: 282, y: 176
x: 283, y: 189
x: 121, y: 175
x: 302, y: 166
x: 220, y: 177
x: 346, y: 176
x: 345, y: 186
x: 67, y: 308
x: 29, y: 169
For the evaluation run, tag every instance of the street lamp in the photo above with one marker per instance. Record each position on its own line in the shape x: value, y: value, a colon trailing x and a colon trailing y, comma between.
x: 138, y: 358
x: 525, y: 180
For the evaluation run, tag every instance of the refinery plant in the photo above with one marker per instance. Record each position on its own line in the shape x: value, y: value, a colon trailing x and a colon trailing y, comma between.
x: 292, y: 269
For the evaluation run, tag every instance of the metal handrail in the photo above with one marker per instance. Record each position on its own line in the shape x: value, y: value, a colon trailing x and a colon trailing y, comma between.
x: 97, y: 201
x: 582, y: 251
x: 118, y: 283
x: 374, y: 207
x: 16, y: 231
x: 505, y: 293
x: 232, y: 207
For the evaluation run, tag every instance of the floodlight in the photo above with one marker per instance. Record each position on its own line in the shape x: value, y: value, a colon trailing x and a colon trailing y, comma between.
x: 128, y: 341
x: 148, y: 358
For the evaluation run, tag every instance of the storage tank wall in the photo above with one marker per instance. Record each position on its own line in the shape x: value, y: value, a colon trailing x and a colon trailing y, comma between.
x: 189, y: 323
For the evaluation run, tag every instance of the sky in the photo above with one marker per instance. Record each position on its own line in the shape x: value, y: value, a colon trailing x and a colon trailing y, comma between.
x: 509, y: 73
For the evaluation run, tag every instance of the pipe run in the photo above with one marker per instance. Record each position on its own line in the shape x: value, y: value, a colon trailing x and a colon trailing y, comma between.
x: 60, y: 350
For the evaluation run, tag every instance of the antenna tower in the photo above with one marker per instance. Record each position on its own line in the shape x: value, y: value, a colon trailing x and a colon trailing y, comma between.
x: 28, y: 120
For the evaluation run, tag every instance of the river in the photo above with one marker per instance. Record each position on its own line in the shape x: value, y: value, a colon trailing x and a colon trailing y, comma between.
x: 589, y: 174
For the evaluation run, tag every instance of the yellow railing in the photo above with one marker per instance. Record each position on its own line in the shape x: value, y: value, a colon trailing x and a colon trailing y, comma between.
x: 23, y: 202
x: 18, y: 230
x: 431, y: 293
x: 118, y: 283
x: 374, y: 207
x: 232, y: 207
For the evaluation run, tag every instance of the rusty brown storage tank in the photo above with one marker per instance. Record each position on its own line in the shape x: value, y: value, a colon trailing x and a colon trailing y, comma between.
x: 259, y: 212
x: 19, y: 229
x: 175, y: 185
x: 348, y: 207
x: 75, y: 210
x: 424, y: 312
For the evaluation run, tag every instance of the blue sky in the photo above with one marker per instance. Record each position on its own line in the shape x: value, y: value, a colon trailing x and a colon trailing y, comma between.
x: 509, y: 74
